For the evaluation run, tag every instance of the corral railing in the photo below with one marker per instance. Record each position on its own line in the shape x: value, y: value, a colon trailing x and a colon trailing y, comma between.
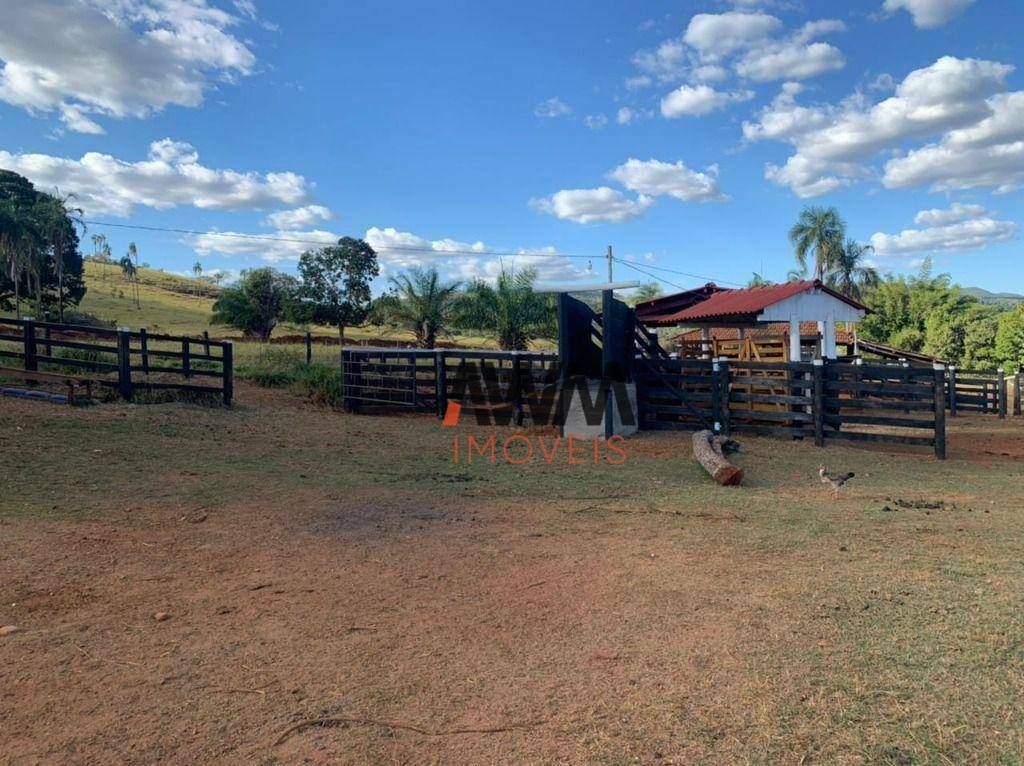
x: 123, y: 360
x: 828, y: 402
x: 982, y: 391
x: 509, y: 385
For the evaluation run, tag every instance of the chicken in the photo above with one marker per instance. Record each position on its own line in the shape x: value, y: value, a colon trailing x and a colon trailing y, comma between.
x: 833, y: 481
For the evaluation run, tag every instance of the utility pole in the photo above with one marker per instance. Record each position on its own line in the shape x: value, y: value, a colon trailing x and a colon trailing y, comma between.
x: 610, y: 280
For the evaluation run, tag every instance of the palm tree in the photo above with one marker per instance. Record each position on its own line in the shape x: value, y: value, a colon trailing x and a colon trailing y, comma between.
x: 133, y: 256
x: 422, y: 303
x: 510, y: 311
x: 757, y: 280
x: 818, y: 231
x: 646, y: 292
x: 849, y: 274
x: 57, y: 218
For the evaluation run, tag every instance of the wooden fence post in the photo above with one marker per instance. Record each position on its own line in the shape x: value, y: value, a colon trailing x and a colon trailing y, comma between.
x: 309, y: 347
x: 440, y: 383
x: 413, y: 363
x: 124, y: 363
x: 144, y: 346
x: 206, y: 342
x: 940, y: 411
x: 818, y: 376
x: 952, y: 390
x: 46, y: 341
x: 29, y: 343
x: 723, y: 374
x: 228, y: 368
x: 186, y: 358
x: 517, y: 389
x: 716, y: 397
x: 1001, y: 398
x: 1016, y: 394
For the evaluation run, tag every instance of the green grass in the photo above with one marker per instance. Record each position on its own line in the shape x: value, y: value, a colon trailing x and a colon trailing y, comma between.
x: 178, y: 305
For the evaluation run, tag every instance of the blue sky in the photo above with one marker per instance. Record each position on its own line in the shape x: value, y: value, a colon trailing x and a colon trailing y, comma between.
x: 687, y: 135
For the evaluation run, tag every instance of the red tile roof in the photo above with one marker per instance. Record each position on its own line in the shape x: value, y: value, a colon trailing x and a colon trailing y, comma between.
x: 663, y: 309
x: 751, y: 301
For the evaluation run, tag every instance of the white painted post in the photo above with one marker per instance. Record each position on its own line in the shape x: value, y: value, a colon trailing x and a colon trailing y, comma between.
x: 794, y: 339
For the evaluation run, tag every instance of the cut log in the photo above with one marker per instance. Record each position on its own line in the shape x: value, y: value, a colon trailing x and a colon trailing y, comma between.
x: 707, y: 449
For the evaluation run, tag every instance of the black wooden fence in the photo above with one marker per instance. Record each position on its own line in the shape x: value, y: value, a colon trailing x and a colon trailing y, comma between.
x: 982, y: 391
x: 505, y: 383
x: 122, y: 359
x: 828, y: 402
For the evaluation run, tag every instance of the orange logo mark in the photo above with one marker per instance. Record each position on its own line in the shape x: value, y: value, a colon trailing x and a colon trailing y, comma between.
x: 451, y: 415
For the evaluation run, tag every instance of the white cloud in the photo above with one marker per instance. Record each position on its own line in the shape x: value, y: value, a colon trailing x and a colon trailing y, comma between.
x: 929, y: 14
x: 666, y: 62
x: 625, y: 116
x: 552, y: 107
x: 959, y: 97
x: 595, y: 121
x: 638, y: 83
x: 795, y: 58
x: 789, y: 61
x: 961, y: 228
x: 956, y: 212
x: 655, y: 178
x: 171, y: 175
x: 599, y: 205
x: 115, y: 58
x: 989, y: 153
x: 717, y: 35
x: 299, y: 218
x: 273, y: 248
x: 699, y: 100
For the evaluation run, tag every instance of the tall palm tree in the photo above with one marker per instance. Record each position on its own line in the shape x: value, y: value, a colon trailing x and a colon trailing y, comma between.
x: 818, y: 232
x: 510, y: 311
x: 849, y: 274
x: 133, y: 255
x: 422, y: 303
x: 759, y: 280
x: 59, y: 214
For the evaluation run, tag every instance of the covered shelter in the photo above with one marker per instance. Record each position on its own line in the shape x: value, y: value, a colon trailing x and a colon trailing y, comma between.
x: 793, y: 304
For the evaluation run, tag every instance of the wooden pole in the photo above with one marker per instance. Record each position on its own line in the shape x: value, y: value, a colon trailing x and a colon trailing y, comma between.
x: 952, y: 391
x: 716, y: 398
x: 186, y: 358
x: 227, y: 356
x: 1001, y: 394
x: 818, y: 375
x: 1016, y: 394
x: 723, y: 374
x: 124, y: 363
x: 144, y: 346
x: 441, y: 383
x: 29, y: 347
x: 309, y: 347
x: 940, y: 411
x: 707, y: 450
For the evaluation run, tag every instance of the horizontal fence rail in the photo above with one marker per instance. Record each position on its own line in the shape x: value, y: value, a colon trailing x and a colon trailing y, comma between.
x: 123, y: 360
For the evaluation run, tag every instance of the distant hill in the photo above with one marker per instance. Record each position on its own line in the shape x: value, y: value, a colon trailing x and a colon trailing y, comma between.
x: 991, y: 298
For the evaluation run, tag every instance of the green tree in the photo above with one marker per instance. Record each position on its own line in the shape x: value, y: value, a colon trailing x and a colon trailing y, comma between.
x: 422, y: 303
x: 336, y: 284
x: 848, y: 272
x: 819, y: 232
x: 1009, y: 343
x: 44, y: 244
x: 648, y: 291
x: 261, y: 298
x: 757, y: 280
x: 510, y: 311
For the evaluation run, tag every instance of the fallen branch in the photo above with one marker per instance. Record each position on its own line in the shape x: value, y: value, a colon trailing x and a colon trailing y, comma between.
x: 338, y: 720
x: 707, y: 450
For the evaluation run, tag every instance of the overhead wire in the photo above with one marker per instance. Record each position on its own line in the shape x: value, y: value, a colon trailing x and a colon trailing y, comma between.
x: 426, y: 250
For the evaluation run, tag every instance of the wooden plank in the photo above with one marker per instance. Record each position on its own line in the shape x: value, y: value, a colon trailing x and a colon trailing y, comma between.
x: 860, y: 436
x: 876, y: 420
x: 847, y: 386
x: 743, y: 397
x: 876, y: 404
x: 794, y: 417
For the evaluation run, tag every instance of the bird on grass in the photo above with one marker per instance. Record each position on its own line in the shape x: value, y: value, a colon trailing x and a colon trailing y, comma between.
x: 833, y: 481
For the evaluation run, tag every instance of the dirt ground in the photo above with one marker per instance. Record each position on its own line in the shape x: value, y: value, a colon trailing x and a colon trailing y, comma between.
x: 316, y: 565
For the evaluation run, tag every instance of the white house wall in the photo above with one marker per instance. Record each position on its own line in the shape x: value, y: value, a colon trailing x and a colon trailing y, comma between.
x: 811, y: 306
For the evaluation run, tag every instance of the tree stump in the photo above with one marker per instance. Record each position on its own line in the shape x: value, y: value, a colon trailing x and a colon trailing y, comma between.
x: 707, y: 449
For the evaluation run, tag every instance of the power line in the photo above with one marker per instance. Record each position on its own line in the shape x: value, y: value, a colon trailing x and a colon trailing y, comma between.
x: 322, y: 243
x: 649, y: 274
x: 686, y: 274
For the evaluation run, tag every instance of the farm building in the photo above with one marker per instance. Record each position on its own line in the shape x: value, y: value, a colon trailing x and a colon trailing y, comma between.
x: 777, y: 322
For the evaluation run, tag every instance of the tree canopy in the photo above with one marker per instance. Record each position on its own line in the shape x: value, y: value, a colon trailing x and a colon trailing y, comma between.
x: 335, y: 287
x: 421, y: 302
x: 510, y: 311
x: 261, y: 298
x: 38, y: 248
